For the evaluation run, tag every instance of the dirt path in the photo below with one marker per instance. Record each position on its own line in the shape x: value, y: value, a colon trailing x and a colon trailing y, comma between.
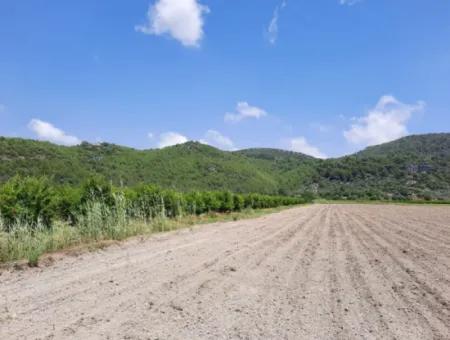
x: 316, y: 272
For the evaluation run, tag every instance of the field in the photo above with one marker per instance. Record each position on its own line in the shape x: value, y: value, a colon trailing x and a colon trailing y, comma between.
x: 315, y: 272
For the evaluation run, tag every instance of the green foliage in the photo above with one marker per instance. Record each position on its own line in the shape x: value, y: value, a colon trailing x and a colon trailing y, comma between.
x: 67, y: 202
x: 414, y: 167
x: 33, y: 201
x: 411, y: 168
x: 238, y: 202
x: 27, y: 200
x: 38, y: 217
x: 212, y: 201
x: 97, y: 188
x: 174, y: 203
x: 148, y: 199
x: 195, y: 203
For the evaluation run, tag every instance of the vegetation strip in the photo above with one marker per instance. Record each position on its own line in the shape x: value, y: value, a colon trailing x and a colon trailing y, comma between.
x: 37, y: 217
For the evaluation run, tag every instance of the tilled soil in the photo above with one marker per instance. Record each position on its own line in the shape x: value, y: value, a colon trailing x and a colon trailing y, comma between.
x: 315, y: 272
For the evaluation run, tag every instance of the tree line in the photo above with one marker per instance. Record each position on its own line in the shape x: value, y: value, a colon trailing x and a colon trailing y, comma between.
x: 34, y: 201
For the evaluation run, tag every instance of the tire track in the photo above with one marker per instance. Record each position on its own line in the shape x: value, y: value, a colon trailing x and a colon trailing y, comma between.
x: 399, y: 278
x: 407, y: 263
x: 367, y: 302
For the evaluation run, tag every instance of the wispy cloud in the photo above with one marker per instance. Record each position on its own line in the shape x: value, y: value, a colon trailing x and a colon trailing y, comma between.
x: 349, y: 2
x: 171, y: 138
x: 2, y: 108
x: 245, y: 111
x: 272, y: 30
x: 47, y: 131
x: 215, y: 138
x: 183, y: 20
x: 300, y: 144
x: 383, y: 123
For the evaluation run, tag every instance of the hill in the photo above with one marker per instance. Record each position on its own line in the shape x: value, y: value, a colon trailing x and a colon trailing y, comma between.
x: 409, y: 167
x: 183, y: 167
x: 413, y: 166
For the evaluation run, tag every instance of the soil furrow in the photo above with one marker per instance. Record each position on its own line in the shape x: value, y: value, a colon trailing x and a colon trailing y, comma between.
x: 315, y: 272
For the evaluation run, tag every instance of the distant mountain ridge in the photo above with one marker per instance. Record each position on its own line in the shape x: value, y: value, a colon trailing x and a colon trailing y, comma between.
x: 413, y: 166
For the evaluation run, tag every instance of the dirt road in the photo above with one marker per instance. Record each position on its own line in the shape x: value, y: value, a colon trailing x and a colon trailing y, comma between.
x: 316, y: 272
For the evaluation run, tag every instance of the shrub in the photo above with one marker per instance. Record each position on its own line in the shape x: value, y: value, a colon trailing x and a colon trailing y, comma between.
x: 195, y: 203
x: 27, y: 200
x: 173, y: 203
x: 148, y: 200
x: 212, y: 201
x: 226, y: 201
x: 98, y: 189
x: 67, y: 203
x: 238, y: 202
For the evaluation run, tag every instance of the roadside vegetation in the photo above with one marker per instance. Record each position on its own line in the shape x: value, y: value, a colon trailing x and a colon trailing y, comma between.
x: 37, y: 216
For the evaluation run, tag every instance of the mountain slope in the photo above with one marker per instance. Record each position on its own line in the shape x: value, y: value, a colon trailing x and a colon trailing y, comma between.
x: 293, y: 171
x: 414, y: 166
x: 429, y: 145
x: 184, y: 167
x: 411, y: 166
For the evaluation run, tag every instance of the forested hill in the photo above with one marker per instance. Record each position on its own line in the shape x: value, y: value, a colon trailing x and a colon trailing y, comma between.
x: 414, y: 166
x: 185, y: 167
x: 409, y: 167
x: 430, y: 145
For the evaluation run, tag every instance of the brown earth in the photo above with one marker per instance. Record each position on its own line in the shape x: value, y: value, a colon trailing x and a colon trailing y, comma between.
x: 315, y: 272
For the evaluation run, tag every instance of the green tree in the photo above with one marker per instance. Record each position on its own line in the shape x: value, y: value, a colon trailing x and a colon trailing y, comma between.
x: 27, y: 200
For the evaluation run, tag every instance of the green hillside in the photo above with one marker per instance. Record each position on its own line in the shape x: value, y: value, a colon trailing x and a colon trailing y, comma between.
x: 183, y: 167
x: 409, y: 167
x: 294, y: 172
x: 414, y: 166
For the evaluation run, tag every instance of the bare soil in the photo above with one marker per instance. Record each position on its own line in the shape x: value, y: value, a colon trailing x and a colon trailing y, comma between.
x: 315, y: 272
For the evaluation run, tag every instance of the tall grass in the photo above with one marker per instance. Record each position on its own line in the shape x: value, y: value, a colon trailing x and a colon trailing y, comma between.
x: 96, y: 222
x: 39, y: 218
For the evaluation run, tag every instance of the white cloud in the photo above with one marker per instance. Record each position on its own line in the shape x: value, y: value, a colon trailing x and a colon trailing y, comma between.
x: 2, y: 108
x: 300, y: 144
x: 272, y: 30
x: 349, y: 2
x: 46, y: 131
x: 384, y: 123
x: 150, y: 135
x: 215, y: 138
x: 181, y: 19
x: 171, y: 138
x: 244, y: 111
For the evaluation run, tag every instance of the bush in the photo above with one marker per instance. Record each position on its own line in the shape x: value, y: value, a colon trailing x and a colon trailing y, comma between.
x: 97, y: 189
x: 195, y: 203
x: 67, y: 203
x: 30, y: 201
x: 226, y: 201
x: 238, y: 202
x: 212, y: 201
x: 173, y: 203
x: 27, y: 200
x: 146, y: 200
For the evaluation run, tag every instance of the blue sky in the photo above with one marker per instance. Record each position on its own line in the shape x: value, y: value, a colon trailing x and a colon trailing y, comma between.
x: 324, y: 77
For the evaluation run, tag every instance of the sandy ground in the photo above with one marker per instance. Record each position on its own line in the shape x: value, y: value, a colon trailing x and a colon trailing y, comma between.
x: 315, y: 272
